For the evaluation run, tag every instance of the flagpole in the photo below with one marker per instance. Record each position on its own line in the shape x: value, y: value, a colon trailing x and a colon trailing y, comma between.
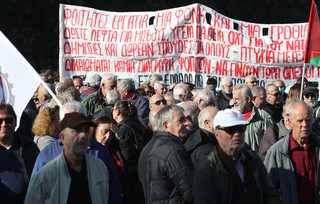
x: 302, y: 81
x: 51, y: 92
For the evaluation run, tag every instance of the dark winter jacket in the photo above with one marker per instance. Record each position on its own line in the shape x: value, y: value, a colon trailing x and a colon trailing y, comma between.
x: 170, y: 171
x: 274, y: 111
x: 273, y: 133
x: 16, y: 168
x: 213, y: 182
x: 199, y: 145
x: 221, y: 100
x: 142, y: 105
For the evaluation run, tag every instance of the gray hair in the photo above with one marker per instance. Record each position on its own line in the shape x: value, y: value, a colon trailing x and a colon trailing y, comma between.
x: 292, y: 107
x: 112, y: 96
x: 224, y: 81
x: 166, y: 114
x: 179, y: 90
x: 107, y: 77
x: 126, y: 84
x: 204, y: 115
x: 247, y: 79
x: 154, y: 78
x: 61, y: 86
x: 245, y: 90
x: 154, y: 121
x: 72, y: 106
x: 286, y: 105
x: 157, y: 84
x: 95, y: 81
x: 205, y: 95
x: 256, y: 90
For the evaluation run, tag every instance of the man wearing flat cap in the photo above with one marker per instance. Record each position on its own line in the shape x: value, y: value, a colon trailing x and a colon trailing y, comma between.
x: 232, y: 174
x: 310, y: 96
x: 73, y: 176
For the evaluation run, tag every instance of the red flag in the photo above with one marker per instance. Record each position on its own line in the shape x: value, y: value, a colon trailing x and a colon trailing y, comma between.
x: 312, y: 51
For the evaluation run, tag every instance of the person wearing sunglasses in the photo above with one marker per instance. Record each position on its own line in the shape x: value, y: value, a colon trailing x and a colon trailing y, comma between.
x: 232, y: 173
x: 251, y: 81
x: 310, y: 96
x: 18, y: 155
x: 273, y: 105
x: 157, y: 100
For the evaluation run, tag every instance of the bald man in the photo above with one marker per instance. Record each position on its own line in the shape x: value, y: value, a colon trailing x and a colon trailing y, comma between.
x: 273, y: 105
x: 156, y: 100
x: 201, y: 142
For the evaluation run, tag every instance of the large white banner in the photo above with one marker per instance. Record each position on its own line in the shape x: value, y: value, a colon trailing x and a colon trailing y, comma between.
x: 186, y: 44
x: 18, y: 78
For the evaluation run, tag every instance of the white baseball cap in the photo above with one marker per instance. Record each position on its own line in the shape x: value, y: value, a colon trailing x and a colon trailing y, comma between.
x: 229, y: 118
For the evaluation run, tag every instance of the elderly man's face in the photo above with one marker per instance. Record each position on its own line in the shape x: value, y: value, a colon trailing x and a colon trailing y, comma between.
x: 301, y: 121
x: 253, y: 82
x: 311, y: 98
x: 110, y: 84
x: 227, y: 88
x: 188, y: 95
x: 239, y: 100
x: 161, y: 89
x: 7, y: 126
x: 260, y: 100
x: 178, y: 125
x: 76, y: 141
x: 157, y: 100
x: 273, y: 96
x: 77, y: 83
x: 231, y: 139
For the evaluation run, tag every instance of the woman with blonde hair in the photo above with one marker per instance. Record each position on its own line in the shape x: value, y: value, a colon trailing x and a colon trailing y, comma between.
x: 46, y: 127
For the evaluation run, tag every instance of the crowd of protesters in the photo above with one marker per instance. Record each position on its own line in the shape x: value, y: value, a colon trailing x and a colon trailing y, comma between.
x: 112, y: 142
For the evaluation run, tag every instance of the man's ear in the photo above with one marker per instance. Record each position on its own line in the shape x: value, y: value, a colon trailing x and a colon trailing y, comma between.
x: 207, y: 123
x: 215, y: 133
x: 248, y: 99
x: 62, y: 137
x: 165, y: 125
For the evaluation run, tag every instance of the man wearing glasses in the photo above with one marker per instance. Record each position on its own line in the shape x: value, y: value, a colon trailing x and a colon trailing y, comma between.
x: 251, y: 81
x: 232, y: 174
x: 310, y: 96
x: 18, y: 155
x: 273, y: 105
x: 157, y: 100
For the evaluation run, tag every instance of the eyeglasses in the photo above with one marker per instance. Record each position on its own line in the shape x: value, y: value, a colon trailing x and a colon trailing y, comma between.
x: 8, y: 120
x: 275, y: 94
x: 158, y: 103
x: 310, y: 94
x: 233, y: 129
x: 253, y: 82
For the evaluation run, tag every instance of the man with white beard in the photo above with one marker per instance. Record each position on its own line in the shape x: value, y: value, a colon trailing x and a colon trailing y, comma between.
x: 310, y: 96
x: 258, y: 118
x: 221, y: 101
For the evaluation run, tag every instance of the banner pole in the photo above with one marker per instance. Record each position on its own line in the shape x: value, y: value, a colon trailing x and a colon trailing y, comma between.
x: 302, y: 81
x: 51, y: 93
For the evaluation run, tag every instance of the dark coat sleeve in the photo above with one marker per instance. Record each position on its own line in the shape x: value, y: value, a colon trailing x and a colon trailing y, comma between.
x: 203, y: 184
x: 269, y: 138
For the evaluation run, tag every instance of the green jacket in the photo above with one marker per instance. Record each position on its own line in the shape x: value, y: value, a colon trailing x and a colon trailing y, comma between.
x: 259, y: 122
x: 213, y: 183
x: 94, y: 102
